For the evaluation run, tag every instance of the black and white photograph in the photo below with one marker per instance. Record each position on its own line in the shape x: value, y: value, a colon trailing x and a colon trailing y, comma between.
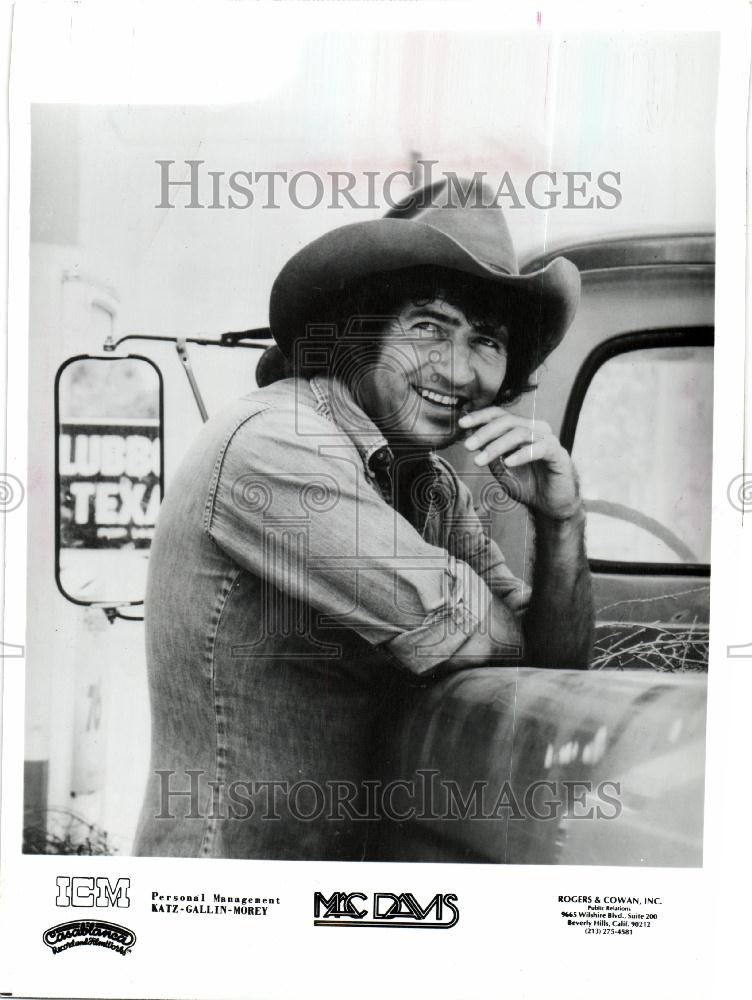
x: 368, y: 498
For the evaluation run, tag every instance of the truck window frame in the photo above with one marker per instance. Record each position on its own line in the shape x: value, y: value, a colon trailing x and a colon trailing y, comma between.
x: 692, y: 336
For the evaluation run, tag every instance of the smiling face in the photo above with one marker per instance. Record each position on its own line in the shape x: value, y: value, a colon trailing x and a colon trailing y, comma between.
x: 432, y: 365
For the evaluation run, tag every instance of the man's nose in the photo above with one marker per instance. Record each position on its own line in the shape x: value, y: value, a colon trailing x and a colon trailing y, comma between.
x: 452, y: 363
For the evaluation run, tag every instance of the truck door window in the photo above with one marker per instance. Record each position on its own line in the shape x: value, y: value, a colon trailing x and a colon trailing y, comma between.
x: 643, y: 450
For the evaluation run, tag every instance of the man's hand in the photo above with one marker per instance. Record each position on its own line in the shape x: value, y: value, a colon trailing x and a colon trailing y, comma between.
x: 503, y: 441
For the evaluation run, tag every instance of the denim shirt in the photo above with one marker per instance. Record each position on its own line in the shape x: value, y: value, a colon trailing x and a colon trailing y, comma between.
x: 285, y: 592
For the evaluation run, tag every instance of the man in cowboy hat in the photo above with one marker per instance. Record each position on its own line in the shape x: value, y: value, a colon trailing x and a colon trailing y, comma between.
x: 313, y: 544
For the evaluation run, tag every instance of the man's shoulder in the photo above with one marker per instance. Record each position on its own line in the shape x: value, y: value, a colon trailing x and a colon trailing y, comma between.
x: 281, y: 423
x: 288, y: 407
x: 285, y: 395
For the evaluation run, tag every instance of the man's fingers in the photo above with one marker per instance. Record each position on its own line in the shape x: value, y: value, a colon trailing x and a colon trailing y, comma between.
x: 499, y: 425
x: 528, y: 453
x: 492, y: 431
x: 478, y: 417
x: 498, y: 446
x: 475, y: 417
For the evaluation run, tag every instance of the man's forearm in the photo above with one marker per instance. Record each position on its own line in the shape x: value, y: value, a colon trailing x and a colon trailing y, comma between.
x: 559, y: 622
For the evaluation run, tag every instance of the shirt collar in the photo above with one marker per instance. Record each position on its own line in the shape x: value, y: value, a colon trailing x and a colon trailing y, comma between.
x: 335, y: 401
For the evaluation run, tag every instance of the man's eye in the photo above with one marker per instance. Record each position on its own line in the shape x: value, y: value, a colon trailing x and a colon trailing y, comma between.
x: 428, y: 328
x: 490, y: 342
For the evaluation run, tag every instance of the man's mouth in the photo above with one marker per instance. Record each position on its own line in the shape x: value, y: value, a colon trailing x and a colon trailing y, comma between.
x: 440, y: 398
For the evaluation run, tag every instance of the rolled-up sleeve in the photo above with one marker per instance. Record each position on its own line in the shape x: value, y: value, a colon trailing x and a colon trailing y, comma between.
x: 294, y: 506
x: 468, y: 540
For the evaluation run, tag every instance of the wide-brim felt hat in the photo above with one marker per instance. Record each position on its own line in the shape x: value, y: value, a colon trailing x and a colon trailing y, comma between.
x: 459, y: 227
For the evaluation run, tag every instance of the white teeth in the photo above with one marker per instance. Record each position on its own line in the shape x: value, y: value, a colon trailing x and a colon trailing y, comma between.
x: 437, y: 397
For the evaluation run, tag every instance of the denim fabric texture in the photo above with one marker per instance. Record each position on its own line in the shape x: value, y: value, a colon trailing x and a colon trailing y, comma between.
x: 285, y: 594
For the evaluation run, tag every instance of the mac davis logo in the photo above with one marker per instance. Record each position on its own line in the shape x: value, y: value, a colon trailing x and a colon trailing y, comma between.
x: 384, y: 909
x: 99, y: 933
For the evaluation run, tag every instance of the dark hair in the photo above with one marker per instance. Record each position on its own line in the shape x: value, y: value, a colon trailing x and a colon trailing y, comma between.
x: 344, y: 326
x: 271, y: 367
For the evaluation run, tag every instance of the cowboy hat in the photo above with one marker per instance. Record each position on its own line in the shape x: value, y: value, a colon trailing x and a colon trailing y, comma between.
x: 459, y: 228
